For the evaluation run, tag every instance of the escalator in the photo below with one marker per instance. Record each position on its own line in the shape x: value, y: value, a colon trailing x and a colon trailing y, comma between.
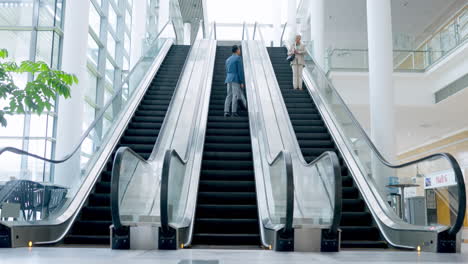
x: 357, y: 225
x: 92, y: 223
x: 226, y: 211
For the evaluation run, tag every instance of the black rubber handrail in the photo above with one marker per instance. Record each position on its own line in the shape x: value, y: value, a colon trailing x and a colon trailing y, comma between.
x: 286, y: 157
x: 115, y: 179
x: 288, y: 227
x: 453, y: 162
x: 165, y: 187
x: 337, y: 197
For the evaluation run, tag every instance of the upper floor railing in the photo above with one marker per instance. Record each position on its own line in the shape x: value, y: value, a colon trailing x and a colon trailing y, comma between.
x: 440, y: 44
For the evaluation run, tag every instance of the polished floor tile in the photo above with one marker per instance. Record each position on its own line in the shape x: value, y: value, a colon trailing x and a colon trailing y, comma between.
x: 216, y: 256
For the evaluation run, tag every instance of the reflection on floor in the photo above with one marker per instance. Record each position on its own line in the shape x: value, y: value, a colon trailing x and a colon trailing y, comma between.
x: 216, y: 256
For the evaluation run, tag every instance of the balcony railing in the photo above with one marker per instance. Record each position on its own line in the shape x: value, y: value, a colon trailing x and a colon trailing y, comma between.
x: 443, y: 42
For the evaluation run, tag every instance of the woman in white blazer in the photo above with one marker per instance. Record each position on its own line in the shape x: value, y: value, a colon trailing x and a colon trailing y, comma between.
x: 298, y: 63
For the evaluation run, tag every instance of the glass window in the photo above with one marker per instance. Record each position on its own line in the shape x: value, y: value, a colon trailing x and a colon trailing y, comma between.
x: 16, y: 13
x: 90, y: 92
x: 93, y: 51
x: 15, y: 125
x: 56, y: 51
x: 126, y: 64
x: 111, y: 45
x: 112, y: 18
x: 44, y: 46
x: 128, y: 19
x: 17, y: 43
x: 37, y: 169
x: 94, y: 19
x: 39, y: 125
x: 99, y: 2
x: 127, y: 43
x: 10, y: 163
x: 50, y: 13
x: 110, y: 70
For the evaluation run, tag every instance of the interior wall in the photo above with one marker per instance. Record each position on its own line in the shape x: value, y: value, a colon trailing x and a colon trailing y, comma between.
x: 457, y: 145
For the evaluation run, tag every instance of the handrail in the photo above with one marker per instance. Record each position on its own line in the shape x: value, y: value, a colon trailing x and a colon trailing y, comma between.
x: 288, y: 227
x: 115, y: 178
x: 338, y: 201
x: 282, y: 33
x: 165, y: 187
x: 453, y: 162
x: 214, y: 29
x: 93, y: 124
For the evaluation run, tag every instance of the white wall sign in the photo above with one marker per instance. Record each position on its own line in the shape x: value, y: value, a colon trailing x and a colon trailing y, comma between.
x: 439, y: 179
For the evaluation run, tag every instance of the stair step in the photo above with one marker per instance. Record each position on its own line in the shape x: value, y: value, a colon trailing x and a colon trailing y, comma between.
x: 359, y: 233
x: 227, y: 175
x: 226, y: 239
x: 227, y: 164
x: 356, y: 219
x: 216, y: 155
x: 226, y: 186
x: 224, y: 197
x: 226, y: 226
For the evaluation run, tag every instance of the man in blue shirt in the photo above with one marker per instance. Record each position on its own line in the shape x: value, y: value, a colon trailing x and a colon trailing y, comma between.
x: 234, y: 81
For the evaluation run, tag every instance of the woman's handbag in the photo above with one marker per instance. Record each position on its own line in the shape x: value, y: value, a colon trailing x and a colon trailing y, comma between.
x: 291, y: 57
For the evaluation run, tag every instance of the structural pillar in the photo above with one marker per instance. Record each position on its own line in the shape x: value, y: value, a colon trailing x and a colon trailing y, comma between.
x: 317, y: 30
x: 70, y: 111
x: 292, y: 23
x: 187, y: 33
x: 381, y: 91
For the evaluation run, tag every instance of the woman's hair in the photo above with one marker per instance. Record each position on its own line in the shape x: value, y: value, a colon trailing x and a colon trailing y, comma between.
x: 235, y: 48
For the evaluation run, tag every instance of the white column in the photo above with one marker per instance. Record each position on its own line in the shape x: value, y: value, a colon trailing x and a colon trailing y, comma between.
x: 317, y: 30
x: 292, y: 24
x: 70, y: 111
x: 277, y: 29
x: 382, y: 106
x: 139, y: 17
x: 187, y: 33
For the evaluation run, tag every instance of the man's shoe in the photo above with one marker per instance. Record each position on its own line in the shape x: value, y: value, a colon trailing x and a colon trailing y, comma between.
x: 227, y: 115
x: 235, y: 114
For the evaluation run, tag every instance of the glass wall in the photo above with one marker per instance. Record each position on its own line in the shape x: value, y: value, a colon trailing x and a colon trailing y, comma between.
x: 109, y: 47
x: 33, y: 30
x: 29, y: 30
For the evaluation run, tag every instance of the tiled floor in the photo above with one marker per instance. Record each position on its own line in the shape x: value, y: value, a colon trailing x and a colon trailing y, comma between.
x: 215, y: 256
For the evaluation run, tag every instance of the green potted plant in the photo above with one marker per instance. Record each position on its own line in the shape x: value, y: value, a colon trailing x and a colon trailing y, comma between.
x: 39, y: 94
